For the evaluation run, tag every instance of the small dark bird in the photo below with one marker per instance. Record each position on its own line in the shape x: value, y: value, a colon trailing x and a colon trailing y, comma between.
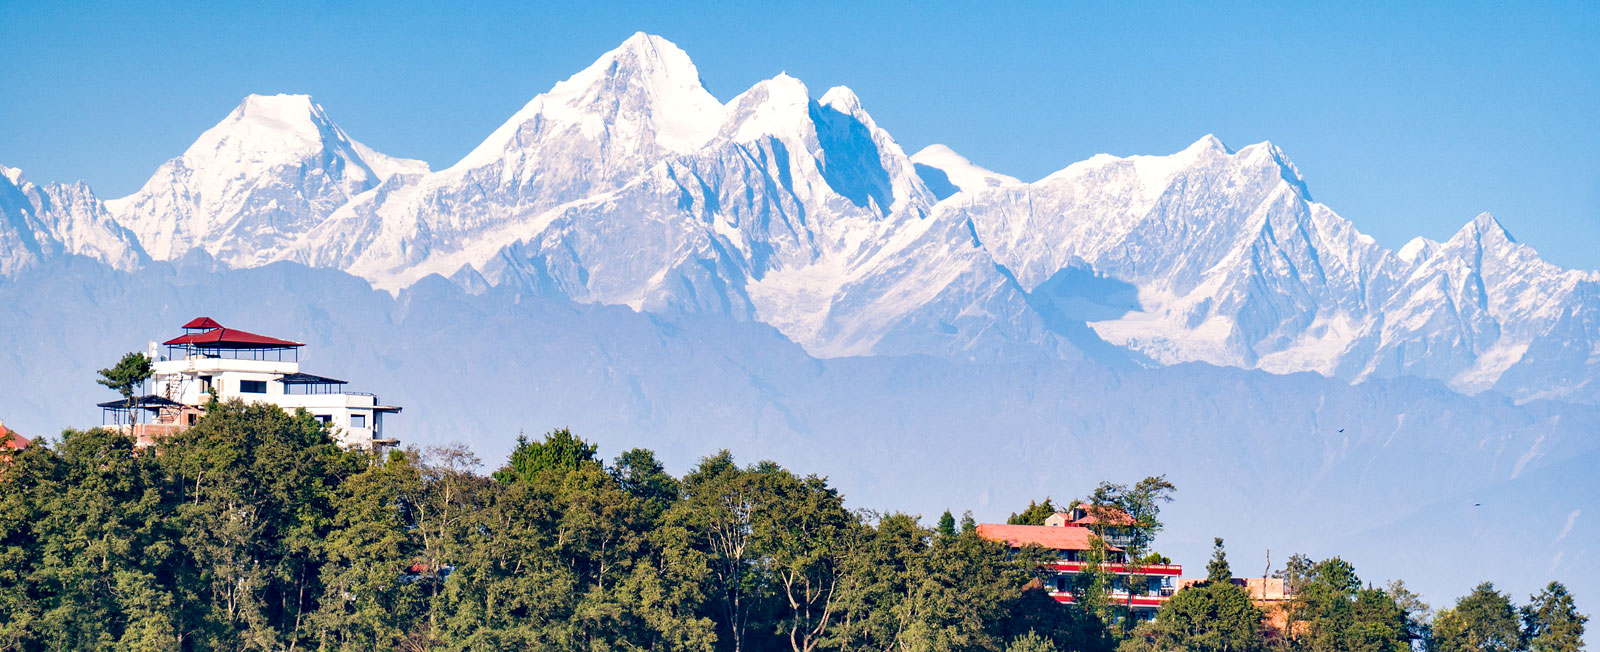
x: 1341, y: 430
x: 1477, y: 504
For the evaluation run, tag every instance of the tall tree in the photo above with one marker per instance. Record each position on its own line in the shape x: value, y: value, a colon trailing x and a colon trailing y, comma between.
x: 720, y: 507
x: 370, y: 598
x: 1217, y: 570
x: 1484, y: 620
x: 641, y: 474
x: 442, y: 502
x: 1332, y: 612
x: 1551, y: 621
x: 1209, y: 617
x: 126, y: 378
x: 258, y: 489
x: 1418, y: 615
x: 560, y: 451
x: 807, y: 536
x: 1035, y: 514
x: 104, y: 543
x: 1134, y: 513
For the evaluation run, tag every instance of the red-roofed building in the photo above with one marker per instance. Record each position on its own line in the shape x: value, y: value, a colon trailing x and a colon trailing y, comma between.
x: 11, y: 442
x: 1072, y: 543
x: 212, y: 360
x: 1086, y: 515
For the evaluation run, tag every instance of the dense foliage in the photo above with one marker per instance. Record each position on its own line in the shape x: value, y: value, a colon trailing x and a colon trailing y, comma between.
x: 254, y: 531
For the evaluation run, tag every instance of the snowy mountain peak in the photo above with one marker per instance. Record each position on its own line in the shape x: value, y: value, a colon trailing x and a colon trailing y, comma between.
x: 630, y: 184
x: 269, y: 171
x: 289, y: 109
x: 779, y: 107
x: 1417, y: 250
x: 946, y: 172
x: 265, y: 129
x: 38, y: 223
x: 1209, y: 142
x: 646, y: 91
x: 843, y: 100
x: 1267, y: 154
x: 1484, y: 227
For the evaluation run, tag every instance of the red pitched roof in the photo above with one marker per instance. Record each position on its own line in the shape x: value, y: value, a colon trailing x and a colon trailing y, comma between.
x: 15, y: 442
x: 1053, y: 538
x: 202, y: 322
x: 1113, y: 515
x: 230, y: 338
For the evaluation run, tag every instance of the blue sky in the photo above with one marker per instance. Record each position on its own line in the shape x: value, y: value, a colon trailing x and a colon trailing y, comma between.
x: 1408, y: 120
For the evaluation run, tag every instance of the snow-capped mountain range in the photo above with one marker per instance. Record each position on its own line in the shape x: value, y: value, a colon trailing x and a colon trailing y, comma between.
x: 630, y: 184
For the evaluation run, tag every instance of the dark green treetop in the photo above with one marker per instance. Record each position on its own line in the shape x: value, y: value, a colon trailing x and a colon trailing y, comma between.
x: 1217, y: 569
x: 559, y: 451
x: 126, y: 377
x: 1035, y: 514
x: 1551, y: 621
x: 1482, y: 621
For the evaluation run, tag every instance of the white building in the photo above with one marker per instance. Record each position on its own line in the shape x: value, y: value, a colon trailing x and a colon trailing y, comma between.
x: 209, y: 359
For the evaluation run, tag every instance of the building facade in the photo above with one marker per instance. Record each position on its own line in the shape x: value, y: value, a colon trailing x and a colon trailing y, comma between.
x: 210, y: 360
x: 1142, y: 587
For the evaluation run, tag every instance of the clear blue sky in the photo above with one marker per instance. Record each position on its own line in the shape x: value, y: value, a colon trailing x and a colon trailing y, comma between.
x: 1407, y: 120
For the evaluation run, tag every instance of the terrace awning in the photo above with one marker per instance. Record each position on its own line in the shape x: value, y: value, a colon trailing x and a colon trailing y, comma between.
x: 147, y: 402
x: 309, y: 379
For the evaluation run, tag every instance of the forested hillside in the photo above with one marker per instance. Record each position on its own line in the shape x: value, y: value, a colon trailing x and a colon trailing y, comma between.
x: 253, y: 531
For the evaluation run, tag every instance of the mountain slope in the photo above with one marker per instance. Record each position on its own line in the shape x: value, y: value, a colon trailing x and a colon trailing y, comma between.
x: 629, y: 184
x: 946, y: 173
x: 1260, y: 459
x: 1235, y: 265
x: 38, y: 223
x: 588, y: 135
x: 269, y: 172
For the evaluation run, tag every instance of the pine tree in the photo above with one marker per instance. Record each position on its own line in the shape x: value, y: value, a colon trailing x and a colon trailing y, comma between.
x: 947, y: 524
x: 1217, y: 569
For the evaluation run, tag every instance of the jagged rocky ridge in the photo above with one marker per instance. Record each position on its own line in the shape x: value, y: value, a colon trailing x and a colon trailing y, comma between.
x: 630, y: 184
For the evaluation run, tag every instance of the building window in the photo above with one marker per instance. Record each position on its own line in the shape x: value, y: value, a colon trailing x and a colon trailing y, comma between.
x: 252, y: 387
x: 358, y: 421
x: 324, y: 419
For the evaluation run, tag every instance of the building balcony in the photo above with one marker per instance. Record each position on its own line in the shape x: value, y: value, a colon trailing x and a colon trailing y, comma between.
x: 1138, y: 602
x: 1152, y: 570
x: 205, y: 364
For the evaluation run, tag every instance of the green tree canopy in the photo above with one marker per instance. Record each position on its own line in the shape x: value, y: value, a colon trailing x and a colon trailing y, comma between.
x: 1208, y: 617
x: 1331, y: 612
x: 1551, y: 621
x: 1035, y: 514
x: 560, y: 451
x: 127, y: 376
